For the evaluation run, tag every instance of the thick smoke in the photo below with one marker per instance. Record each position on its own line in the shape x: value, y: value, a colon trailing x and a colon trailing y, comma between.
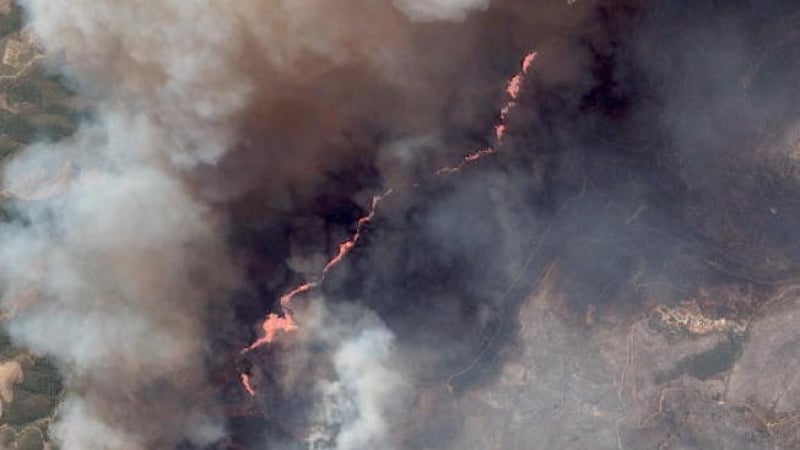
x: 124, y: 265
x: 120, y: 270
x: 124, y: 261
x: 358, y: 392
x: 426, y: 10
x: 226, y: 135
x: 647, y: 165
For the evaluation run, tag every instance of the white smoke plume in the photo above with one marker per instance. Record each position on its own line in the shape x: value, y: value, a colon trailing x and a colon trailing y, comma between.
x: 358, y: 390
x: 427, y: 10
x: 124, y: 265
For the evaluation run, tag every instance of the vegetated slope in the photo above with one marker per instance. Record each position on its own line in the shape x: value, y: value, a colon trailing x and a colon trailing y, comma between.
x: 34, y: 105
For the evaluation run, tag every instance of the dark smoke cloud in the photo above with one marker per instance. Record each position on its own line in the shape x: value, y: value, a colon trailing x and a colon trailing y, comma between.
x: 227, y: 136
x: 649, y: 160
x: 210, y: 118
x: 650, y: 165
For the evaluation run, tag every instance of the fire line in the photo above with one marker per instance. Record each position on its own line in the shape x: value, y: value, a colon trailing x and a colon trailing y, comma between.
x: 274, y: 323
x: 246, y: 384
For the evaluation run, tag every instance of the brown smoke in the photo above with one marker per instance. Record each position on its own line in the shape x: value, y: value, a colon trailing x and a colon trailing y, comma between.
x: 200, y: 107
x: 225, y: 138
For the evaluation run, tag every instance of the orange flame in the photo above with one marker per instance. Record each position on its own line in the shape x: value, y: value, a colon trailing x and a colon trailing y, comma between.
x: 345, y: 247
x: 515, y: 84
x: 248, y: 387
x: 274, y: 323
x: 286, y: 299
x: 527, y: 62
x: 512, y: 92
x: 271, y: 326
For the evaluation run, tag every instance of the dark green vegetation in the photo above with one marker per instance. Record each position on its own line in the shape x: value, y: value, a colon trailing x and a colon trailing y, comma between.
x: 34, y: 106
x: 41, y: 377
x: 7, y: 349
x: 24, y: 422
x: 11, y: 23
x: 709, y: 363
x: 30, y: 438
x: 38, y: 109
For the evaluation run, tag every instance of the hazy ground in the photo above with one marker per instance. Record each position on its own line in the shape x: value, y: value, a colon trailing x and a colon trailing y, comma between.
x: 641, y: 384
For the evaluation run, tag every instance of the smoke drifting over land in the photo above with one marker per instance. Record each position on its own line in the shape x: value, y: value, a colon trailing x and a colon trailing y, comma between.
x: 235, y: 143
x: 427, y: 10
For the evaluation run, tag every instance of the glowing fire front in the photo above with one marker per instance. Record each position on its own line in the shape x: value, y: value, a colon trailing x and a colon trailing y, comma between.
x: 274, y: 323
x: 513, y: 89
x: 248, y: 387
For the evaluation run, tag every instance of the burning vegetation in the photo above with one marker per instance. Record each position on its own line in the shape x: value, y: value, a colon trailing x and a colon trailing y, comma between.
x: 409, y: 224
